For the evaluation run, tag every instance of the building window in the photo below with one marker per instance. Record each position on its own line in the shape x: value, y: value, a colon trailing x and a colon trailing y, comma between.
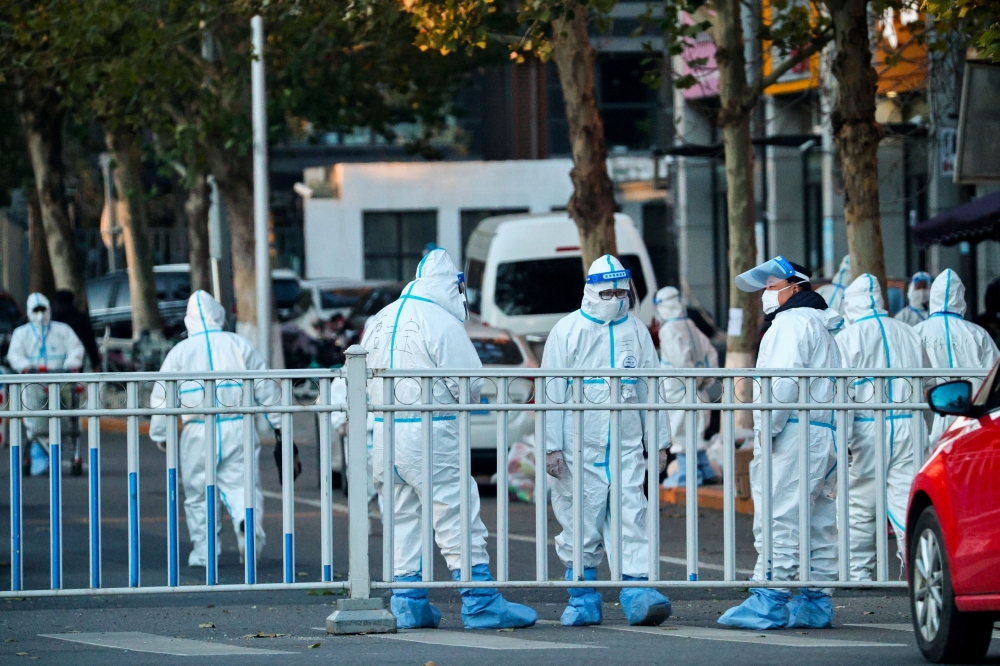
x: 471, y: 217
x: 395, y: 242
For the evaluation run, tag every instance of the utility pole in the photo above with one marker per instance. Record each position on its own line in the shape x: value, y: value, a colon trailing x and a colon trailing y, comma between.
x: 261, y: 192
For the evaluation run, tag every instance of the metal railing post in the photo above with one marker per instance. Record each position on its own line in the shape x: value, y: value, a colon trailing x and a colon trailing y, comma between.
x: 249, y: 486
x: 55, y: 487
x: 729, y: 483
x: 132, y: 446
x: 325, y: 484
x: 16, y: 564
x: 173, y: 549
x: 360, y: 613
x: 94, y: 477
x: 692, y: 423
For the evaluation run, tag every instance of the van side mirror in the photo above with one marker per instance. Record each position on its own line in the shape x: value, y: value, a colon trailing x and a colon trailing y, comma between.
x: 952, y: 398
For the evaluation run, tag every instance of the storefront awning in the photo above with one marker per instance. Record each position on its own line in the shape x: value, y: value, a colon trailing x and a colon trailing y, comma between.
x: 975, y: 221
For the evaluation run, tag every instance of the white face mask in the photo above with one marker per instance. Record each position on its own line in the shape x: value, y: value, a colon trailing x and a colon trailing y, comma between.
x: 40, y: 319
x: 610, y: 310
x: 769, y: 299
x: 921, y: 296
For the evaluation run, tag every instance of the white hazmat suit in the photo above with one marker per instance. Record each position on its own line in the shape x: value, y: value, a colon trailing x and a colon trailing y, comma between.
x: 683, y: 345
x: 42, y: 345
x: 874, y: 340
x: 797, y: 338
x: 208, y: 348
x: 833, y: 293
x: 952, y: 342
x: 917, y: 296
x: 602, y: 334
x: 423, y: 330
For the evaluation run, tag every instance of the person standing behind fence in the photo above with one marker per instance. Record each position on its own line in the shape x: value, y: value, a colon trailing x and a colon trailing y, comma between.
x: 602, y: 334
x: 424, y: 330
x: 64, y: 310
x: 917, y: 296
x: 41, y: 345
x: 952, y: 342
x: 682, y: 345
x: 208, y: 348
x: 798, y: 338
x: 874, y: 340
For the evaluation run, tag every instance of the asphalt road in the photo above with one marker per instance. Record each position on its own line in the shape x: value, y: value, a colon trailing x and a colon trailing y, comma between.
x: 143, y: 629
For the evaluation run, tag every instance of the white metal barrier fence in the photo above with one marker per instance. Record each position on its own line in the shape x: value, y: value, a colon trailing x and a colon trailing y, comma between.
x: 449, y: 393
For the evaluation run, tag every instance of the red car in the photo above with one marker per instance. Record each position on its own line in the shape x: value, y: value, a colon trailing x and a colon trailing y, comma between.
x: 953, y: 527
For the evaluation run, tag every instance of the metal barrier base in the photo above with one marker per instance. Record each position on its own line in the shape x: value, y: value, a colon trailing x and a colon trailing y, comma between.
x: 361, y: 616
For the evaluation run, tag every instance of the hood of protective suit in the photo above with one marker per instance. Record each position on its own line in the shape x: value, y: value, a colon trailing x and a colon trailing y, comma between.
x: 863, y: 299
x: 593, y: 306
x: 843, y: 276
x: 39, y: 319
x: 437, y: 281
x: 912, y: 295
x: 948, y: 293
x: 668, y: 304
x: 204, y: 313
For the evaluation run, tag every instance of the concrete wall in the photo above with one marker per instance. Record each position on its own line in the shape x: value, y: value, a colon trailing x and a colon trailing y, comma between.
x: 334, y: 228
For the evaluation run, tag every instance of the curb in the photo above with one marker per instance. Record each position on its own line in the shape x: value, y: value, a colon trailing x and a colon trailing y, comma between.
x: 709, y: 497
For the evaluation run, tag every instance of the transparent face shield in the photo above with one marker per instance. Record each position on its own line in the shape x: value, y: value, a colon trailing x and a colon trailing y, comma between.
x: 615, y: 285
x: 769, y: 273
x: 462, y: 292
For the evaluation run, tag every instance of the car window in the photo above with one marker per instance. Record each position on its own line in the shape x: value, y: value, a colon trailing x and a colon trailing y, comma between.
x: 474, y: 271
x: 989, y: 394
x: 173, y: 286
x: 380, y: 298
x: 498, y: 351
x: 550, y: 286
x: 343, y: 298
x: 99, y: 293
x: 286, y: 291
x: 123, y: 298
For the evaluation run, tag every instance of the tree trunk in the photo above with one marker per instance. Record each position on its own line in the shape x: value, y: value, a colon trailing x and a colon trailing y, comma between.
x: 42, y: 279
x: 125, y: 148
x: 734, y: 117
x: 41, y: 115
x: 196, y: 207
x: 857, y: 137
x: 234, y: 176
x: 592, y: 205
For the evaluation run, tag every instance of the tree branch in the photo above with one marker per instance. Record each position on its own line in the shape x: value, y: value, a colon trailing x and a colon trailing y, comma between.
x: 782, y: 68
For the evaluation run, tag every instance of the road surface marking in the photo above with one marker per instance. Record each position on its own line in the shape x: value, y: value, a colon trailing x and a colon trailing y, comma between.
x: 137, y: 641
x: 474, y: 639
x: 902, y: 627
x: 524, y: 538
x: 737, y: 636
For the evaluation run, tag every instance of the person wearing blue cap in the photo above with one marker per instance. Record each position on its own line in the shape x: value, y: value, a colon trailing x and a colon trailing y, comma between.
x: 799, y: 337
x: 603, y: 334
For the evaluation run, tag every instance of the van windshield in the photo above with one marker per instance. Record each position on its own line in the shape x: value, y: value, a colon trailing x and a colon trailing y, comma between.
x: 550, y: 286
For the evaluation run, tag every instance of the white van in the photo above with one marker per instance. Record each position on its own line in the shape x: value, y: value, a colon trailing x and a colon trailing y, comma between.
x: 524, y: 272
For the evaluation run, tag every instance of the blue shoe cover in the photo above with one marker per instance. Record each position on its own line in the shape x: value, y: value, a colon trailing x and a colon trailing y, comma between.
x: 485, y: 608
x: 584, y: 602
x: 810, y: 609
x: 39, y: 460
x: 764, y: 609
x: 705, y: 472
x: 411, y: 607
x: 644, y: 606
x: 679, y: 478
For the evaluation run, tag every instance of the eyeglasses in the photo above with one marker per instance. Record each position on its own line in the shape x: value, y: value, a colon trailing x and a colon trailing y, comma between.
x: 608, y: 294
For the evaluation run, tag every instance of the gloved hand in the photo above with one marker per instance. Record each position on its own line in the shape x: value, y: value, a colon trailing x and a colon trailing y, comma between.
x: 663, y: 460
x: 555, y: 464
x: 297, y: 467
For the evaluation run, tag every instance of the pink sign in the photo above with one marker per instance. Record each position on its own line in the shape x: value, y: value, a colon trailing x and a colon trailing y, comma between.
x: 702, y: 48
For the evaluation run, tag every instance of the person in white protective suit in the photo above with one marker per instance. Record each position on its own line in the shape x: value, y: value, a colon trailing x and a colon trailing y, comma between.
x: 602, y: 334
x: 833, y: 293
x: 952, y: 342
x: 424, y: 330
x: 798, y: 338
x: 917, y: 296
x: 208, y: 348
x: 682, y: 345
x: 874, y: 340
x: 42, y: 345
x: 338, y: 422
